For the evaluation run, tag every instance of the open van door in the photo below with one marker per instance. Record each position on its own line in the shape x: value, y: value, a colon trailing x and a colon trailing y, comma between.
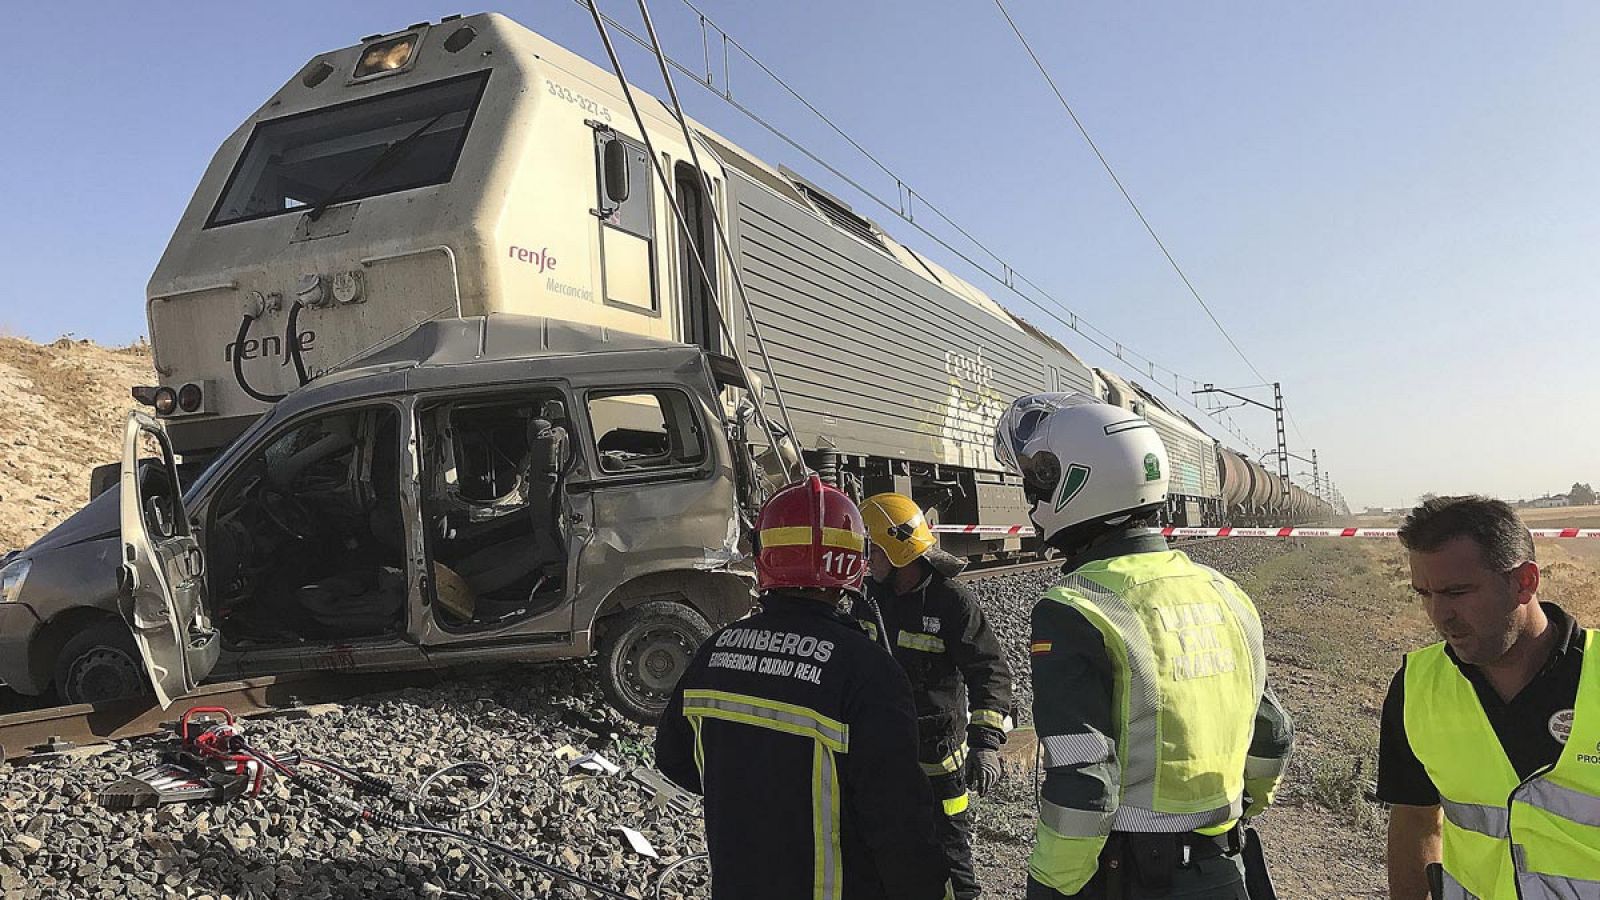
x: 162, y: 567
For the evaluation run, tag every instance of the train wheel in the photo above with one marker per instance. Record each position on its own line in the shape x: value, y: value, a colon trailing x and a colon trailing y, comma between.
x: 645, y: 652
x: 100, y: 663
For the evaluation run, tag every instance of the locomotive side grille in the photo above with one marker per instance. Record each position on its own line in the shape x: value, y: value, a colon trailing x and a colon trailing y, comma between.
x: 844, y: 219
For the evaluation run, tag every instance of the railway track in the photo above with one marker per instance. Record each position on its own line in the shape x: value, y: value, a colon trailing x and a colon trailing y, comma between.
x: 994, y: 570
x: 980, y: 572
x: 54, y: 731
x: 41, y: 734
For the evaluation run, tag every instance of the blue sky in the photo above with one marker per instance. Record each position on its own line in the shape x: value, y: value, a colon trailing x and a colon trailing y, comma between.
x: 1392, y: 208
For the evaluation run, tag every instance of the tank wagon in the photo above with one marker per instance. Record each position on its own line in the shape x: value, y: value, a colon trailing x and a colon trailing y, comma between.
x: 1210, y: 484
x: 1251, y: 495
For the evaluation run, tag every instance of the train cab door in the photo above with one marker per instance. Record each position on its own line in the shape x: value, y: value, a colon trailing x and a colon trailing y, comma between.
x: 698, y: 311
x: 627, y: 214
x: 163, y: 568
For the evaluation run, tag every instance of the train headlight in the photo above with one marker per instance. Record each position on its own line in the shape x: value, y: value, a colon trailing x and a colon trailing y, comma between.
x: 166, y: 401
x: 386, y: 56
x: 11, y: 578
x: 189, y: 397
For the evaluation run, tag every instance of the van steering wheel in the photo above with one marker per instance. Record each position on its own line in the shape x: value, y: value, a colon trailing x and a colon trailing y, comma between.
x: 287, y: 512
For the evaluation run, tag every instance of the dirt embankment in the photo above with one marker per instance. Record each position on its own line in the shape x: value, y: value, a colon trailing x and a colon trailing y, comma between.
x: 64, y: 407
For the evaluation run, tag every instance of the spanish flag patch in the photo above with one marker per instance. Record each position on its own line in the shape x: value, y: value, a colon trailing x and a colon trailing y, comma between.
x: 1039, y: 647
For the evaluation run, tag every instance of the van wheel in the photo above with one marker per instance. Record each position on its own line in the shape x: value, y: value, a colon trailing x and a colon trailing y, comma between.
x: 645, y: 652
x: 100, y: 663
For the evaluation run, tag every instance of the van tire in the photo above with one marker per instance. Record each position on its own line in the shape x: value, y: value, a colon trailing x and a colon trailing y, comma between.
x: 100, y: 663
x: 644, y: 652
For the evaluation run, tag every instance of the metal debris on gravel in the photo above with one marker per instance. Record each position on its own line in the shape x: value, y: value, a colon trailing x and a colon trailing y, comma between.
x: 56, y: 842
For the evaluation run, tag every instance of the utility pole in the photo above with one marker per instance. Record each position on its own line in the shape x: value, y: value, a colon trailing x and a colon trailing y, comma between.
x: 1283, y: 444
x: 1277, y: 410
x: 1316, y: 475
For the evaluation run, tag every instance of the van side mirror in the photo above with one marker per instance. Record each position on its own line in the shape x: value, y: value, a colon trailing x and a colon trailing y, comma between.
x: 615, y: 164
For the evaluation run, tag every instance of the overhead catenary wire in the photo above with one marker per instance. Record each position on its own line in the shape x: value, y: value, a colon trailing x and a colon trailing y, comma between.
x: 1008, y: 277
x: 1133, y: 204
x: 666, y: 187
x: 719, y: 234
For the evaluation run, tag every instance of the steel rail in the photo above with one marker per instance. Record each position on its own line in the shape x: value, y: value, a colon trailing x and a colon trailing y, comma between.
x: 980, y: 571
x: 42, y: 733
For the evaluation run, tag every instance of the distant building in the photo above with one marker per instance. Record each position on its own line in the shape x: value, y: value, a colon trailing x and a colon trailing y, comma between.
x: 1550, y: 502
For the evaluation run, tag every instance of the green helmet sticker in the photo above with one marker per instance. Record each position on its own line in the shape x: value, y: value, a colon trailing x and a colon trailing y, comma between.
x: 1152, y: 467
x: 1077, y: 476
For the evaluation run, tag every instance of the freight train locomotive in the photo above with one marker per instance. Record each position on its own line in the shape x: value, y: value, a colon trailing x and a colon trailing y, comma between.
x: 506, y: 384
x: 472, y: 167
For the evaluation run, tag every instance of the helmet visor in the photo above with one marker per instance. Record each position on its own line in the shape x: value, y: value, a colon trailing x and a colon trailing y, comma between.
x: 1022, y: 421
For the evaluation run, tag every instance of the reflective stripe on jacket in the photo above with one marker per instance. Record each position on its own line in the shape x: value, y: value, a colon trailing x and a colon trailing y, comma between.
x: 1187, y: 678
x: 1506, y: 838
x: 801, y: 735
x: 960, y: 681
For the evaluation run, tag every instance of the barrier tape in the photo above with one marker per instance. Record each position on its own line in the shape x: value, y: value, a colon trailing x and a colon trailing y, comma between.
x: 1001, y: 530
x: 1226, y: 532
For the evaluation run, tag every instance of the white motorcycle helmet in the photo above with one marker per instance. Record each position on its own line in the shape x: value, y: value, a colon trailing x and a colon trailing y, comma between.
x: 1085, y: 465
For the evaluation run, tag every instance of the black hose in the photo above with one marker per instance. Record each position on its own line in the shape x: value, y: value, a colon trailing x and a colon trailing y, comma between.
x: 238, y: 364
x: 877, y: 615
x: 291, y: 340
x: 396, y: 822
x: 379, y: 817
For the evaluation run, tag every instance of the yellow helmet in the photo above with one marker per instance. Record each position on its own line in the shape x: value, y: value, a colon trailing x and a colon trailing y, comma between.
x: 895, y: 523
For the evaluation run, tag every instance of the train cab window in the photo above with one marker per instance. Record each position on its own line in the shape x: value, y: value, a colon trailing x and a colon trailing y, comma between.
x: 626, y: 211
x: 645, y: 431
x: 391, y: 142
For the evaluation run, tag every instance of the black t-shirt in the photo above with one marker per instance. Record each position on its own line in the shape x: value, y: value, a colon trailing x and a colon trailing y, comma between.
x: 1524, y: 726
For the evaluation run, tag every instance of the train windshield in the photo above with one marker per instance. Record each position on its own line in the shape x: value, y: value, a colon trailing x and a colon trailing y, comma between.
x: 391, y: 142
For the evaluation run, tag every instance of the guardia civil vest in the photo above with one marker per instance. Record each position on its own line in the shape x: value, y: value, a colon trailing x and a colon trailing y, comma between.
x: 1506, y: 838
x: 1185, y: 644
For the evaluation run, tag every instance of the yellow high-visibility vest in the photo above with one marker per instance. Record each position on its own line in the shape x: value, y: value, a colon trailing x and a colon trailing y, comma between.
x: 1506, y: 838
x: 1186, y: 647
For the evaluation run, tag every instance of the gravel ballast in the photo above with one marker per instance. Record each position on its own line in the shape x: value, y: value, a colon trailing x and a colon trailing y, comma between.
x: 55, y: 841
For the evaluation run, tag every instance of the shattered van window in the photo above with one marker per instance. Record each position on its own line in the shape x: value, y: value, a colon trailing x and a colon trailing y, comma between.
x: 645, y: 430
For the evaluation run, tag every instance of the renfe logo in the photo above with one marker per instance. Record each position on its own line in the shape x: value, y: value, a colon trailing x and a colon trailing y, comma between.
x: 265, y: 347
x: 540, y: 257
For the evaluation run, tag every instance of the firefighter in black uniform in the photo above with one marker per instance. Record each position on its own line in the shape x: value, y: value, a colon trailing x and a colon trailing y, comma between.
x: 943, y: 641
x: 800, y: 731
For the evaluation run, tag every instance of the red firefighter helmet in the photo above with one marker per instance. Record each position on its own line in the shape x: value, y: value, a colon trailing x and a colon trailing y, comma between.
x: 810, y: 536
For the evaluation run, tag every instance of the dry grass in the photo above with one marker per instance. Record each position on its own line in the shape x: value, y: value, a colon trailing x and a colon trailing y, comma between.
x: 1562, y: 517
x: 1338, y: 616
x: 65, y: 406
